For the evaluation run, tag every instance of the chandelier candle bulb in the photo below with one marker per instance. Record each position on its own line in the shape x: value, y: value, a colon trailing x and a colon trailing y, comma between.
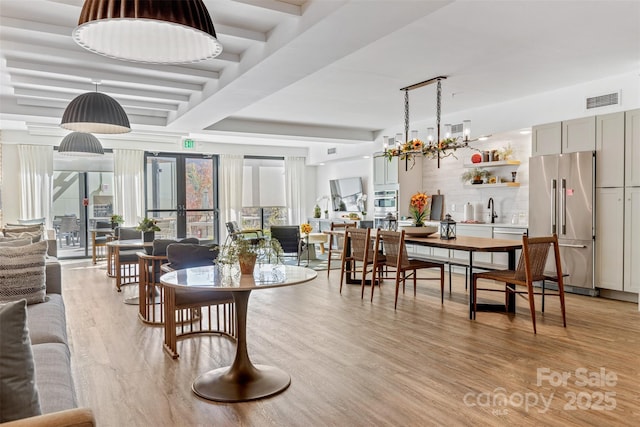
x: 466, y: 129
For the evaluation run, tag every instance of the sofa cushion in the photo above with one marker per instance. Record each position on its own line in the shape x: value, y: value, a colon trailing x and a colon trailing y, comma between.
x: 22, y: 273
x: 53, y: 377
x: 18, y: 391
x: 47, y: 321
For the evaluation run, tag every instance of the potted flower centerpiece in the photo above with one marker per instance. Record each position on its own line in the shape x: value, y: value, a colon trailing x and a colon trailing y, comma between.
x: 419, y: 210
x: 148, y: 227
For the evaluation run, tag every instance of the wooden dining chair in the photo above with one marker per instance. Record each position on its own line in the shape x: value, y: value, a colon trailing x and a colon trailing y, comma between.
x: 336, y: 242
x: 530, y: 269
x: 391, y: 246
x: 357, y: 255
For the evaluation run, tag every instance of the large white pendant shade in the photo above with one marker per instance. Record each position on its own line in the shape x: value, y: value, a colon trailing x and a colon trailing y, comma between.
x: 80, y: 144
x: 150, y: 31
x: 97, y: 113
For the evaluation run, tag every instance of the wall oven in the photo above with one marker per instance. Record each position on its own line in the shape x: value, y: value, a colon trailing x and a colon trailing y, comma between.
x: 384, y: 202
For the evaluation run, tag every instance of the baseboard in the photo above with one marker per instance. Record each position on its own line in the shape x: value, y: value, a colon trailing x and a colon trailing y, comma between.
x: 619, y: 295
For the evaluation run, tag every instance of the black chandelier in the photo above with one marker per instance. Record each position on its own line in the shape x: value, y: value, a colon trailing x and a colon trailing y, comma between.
x: 435, y: 147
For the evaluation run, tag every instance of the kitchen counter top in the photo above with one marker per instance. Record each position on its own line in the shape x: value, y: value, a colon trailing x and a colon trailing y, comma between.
x: 483, y: 224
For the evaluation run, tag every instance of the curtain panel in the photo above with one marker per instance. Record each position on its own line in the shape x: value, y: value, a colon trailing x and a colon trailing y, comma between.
x: 128, y: 194
x: 295, y: 184
x: 36, y: 182
x: 230, y: 190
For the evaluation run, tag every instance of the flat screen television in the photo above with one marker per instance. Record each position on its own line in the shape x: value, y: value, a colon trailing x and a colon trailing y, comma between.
x: 345, y: 193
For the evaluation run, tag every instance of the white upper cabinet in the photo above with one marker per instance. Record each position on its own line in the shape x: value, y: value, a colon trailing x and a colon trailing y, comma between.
x: 579, y: 135
x: 610, y: 143
x: 384, y: 171
x: 546, y: 139
x: 632, y: 148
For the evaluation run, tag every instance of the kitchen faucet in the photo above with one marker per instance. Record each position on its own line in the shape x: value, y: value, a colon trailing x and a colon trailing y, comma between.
x: 493, y: 211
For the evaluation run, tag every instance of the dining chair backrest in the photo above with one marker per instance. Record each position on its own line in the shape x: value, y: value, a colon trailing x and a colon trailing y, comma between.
x: 361, y: 245
x: 160, y: 245
x: 335, y: 226
x: 128, y: 233
x: 533, y: 258
x: 394, y: 247
x: 188, y: 255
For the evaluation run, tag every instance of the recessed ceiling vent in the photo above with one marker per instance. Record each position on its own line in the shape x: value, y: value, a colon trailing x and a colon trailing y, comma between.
x: 603, y: 100
x: 331, y: 150
x: 456, y: 128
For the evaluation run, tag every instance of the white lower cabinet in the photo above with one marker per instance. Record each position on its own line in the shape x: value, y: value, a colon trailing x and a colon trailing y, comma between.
x: 474, y: 231
x: 609, y: 247
x: 632, y: 240
x: 501, y: 260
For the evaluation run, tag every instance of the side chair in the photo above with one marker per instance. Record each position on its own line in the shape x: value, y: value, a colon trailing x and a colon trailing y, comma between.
x: 150, y: 291
x: 358, y: 255
x: 393, y: 247
x: 530, y: 269
x: 188, y: 313
x: 336, y: 242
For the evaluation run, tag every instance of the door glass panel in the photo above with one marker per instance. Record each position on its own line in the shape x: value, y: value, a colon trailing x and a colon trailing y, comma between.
x: 181, y: 196
x: 161, y: 183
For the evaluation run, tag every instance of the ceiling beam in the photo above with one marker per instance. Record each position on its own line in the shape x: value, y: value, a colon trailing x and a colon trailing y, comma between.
x: 274, y: 5
x: 118, y: 93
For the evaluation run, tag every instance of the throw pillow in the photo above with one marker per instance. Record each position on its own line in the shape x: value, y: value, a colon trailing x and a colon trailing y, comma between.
x: 22, y: 273
x: 35, y: 236
x: 14, y: 242
x: 18, y: 391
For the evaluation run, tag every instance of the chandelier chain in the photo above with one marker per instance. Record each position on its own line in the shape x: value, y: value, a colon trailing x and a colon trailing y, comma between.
x: 406, y: 115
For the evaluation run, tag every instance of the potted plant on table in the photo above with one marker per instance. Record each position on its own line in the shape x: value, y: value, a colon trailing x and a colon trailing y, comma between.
x: 245, y: 252
x: 148, y: 227
x: 116, y: 220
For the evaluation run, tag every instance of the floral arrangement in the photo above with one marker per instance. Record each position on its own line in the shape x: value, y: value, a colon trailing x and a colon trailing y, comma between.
x: 432, y: 150
x: 419, y: 207
x: 305, y: 228
x: 147, y: 224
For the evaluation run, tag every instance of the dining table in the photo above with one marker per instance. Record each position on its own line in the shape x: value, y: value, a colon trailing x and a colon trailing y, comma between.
x: 469, y: 244
x: 242, y: 380
x: 472, y: 245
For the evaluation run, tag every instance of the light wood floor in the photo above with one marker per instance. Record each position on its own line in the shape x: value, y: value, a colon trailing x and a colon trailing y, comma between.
x: 354, y: 363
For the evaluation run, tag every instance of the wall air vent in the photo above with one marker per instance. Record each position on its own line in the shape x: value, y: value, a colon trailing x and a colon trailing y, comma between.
x: 603, y: 100
x: 331, y: 150
x: 456, y: 128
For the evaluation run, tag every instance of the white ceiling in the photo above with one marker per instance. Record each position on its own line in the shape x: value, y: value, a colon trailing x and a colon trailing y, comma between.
x: 299, y: 71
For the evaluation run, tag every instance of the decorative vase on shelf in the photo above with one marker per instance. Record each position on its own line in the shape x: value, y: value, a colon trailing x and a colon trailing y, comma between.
x: 316, y: 212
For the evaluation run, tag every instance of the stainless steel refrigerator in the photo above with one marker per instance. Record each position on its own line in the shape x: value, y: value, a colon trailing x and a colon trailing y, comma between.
x: 561, y: 201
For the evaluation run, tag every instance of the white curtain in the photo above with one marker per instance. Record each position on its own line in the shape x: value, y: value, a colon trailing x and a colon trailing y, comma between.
x: 128, y: 175
x: 36, y: 182
x: 295, y: 184
x: 230, y: 190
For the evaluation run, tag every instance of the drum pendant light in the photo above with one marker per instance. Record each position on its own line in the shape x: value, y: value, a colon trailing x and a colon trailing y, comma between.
x: 80, y: 144
x: 149, y: 31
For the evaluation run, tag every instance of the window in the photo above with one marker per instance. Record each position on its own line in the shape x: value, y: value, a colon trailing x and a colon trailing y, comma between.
x: 263, y: 192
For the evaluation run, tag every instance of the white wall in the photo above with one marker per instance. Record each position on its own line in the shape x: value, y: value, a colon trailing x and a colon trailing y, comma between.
x: 359, y: 167
x: 507, y: 201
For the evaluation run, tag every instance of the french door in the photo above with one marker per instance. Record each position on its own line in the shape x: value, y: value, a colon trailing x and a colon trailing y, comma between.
x: 182, y: 195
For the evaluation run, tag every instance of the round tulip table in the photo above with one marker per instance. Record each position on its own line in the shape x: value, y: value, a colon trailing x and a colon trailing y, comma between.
x: 242, y: 380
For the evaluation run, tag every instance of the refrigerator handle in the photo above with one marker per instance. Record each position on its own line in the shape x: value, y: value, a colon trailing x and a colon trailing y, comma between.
x: 554, y: 213
x: 563, y: 207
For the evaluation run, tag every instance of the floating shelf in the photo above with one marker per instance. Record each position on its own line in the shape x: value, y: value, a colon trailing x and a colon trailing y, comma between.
x: 498, y: 184
x: 492, y: 164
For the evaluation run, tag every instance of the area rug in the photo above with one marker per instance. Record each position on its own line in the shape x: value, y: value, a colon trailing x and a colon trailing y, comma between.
x: 318, y: 264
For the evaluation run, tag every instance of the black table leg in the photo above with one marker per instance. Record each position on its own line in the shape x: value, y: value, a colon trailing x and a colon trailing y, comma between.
x: 512, y: 296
